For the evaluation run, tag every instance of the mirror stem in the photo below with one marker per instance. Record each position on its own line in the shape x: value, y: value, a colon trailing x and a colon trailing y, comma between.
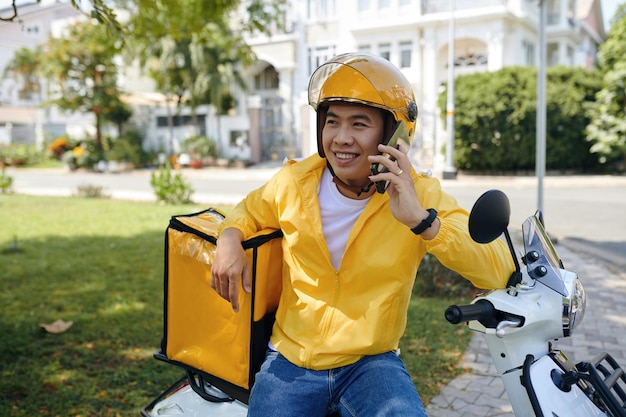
x: 516, y: 276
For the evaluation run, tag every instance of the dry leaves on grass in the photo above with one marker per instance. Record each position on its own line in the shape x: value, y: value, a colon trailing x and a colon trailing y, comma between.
x: 57, y: 327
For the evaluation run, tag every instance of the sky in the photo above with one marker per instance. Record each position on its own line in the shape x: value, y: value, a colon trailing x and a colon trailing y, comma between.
x: 608, y: 9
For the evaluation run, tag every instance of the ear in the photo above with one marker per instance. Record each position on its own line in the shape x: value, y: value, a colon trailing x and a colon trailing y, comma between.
x: 388, y: 126
x: 321, y: 120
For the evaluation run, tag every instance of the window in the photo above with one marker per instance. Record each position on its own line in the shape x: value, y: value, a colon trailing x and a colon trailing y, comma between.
x: 365, y: 48
x: 384, y: 50
x: 570, y: 55
x: 553, y: 12
x: 182, y: 120
x: 319, y: 55
x: 267, y: 79
x: 529, y: 53
x: 571, y: 12
x: 470, y: 59
x: 405, y: 54
x: 32, y: 30
x: 383, y: 4
x: 552, y: 54
x: 321, y: 9
x: 364, y: 5
x: 239, y: 139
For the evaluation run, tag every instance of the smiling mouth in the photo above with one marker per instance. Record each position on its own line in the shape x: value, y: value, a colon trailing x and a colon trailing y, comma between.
x: 345, y: 156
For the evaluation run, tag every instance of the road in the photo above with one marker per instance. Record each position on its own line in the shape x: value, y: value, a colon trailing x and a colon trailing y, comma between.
x: 586, y: 213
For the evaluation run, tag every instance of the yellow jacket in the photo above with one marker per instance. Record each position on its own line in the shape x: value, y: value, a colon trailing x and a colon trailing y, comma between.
x: 328, y: 318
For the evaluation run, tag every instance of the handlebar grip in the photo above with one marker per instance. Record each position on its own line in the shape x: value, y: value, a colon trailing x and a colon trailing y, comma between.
x: 480, y: 310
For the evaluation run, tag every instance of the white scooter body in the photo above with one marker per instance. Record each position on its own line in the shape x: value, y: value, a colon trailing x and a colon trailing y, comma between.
x: 541, y: 308
x: 555, y: 402
x: 182, y: 400
x: 543, y: 302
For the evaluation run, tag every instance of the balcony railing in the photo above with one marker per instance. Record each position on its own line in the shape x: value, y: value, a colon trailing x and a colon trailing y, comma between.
x: 438, y: 6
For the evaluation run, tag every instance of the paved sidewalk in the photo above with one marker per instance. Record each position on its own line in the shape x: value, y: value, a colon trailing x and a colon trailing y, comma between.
x: 480, y: 392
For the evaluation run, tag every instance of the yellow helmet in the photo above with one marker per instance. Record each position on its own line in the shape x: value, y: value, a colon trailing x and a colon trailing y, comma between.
x: 365, y: 79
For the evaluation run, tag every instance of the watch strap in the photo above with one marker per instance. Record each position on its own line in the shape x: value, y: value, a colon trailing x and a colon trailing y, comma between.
x: 426, y: 223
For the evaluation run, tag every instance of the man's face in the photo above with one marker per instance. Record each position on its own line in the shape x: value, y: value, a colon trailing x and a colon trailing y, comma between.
x: 352, y: 132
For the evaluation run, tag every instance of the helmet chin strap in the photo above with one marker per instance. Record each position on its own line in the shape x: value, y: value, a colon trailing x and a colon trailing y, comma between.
x: 352, y: 188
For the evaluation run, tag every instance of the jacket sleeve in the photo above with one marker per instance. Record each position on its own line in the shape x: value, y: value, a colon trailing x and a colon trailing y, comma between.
x: 486, y: 266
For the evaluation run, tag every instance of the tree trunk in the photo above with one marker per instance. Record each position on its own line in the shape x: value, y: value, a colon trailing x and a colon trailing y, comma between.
x: 98, y: 131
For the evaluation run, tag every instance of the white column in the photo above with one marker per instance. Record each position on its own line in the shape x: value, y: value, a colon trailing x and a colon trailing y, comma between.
x: 429, y: 113
x: 495, y: 51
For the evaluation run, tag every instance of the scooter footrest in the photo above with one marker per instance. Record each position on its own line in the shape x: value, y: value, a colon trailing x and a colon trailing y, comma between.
x: 609, y: 381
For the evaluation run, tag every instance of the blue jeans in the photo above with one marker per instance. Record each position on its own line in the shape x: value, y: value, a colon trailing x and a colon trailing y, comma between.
x: 374, y: 386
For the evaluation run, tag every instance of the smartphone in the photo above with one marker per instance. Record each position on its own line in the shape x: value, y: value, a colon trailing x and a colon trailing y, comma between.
x: 398, y: 135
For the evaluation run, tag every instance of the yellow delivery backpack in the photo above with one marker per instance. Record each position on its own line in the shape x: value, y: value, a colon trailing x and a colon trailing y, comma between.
x: 201, y: 332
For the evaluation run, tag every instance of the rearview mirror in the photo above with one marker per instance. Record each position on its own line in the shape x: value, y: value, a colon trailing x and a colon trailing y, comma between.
x: 490, y: 216
x: 489, y: 219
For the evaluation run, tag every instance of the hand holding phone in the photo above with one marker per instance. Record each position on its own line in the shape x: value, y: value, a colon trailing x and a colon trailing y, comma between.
x: 398, y: 135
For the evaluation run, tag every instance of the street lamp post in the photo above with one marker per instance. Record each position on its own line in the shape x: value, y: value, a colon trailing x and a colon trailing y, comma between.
x: 450, y: 171
x: 540, y: 161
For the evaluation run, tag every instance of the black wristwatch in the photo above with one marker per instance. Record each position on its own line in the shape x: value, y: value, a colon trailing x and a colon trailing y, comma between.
x: 426, y: 223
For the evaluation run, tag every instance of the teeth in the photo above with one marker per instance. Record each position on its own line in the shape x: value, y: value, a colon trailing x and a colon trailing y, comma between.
x: 344, y: 155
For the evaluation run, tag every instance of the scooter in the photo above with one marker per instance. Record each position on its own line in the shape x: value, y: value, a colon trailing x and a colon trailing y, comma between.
x: 542, y: 302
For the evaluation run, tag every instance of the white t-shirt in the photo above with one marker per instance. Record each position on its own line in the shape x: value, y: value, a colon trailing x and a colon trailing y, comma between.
x: 339, y: 213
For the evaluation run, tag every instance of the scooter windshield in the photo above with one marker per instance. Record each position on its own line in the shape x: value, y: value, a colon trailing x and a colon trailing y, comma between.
x: 542, y: 260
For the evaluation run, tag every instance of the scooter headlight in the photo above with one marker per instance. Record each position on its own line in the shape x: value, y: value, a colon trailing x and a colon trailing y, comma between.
x: 574, y: 308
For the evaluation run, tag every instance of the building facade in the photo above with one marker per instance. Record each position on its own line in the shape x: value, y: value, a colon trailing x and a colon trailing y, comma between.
x: 414, y: 35
x: 272, y: 119
x: 22, y: 120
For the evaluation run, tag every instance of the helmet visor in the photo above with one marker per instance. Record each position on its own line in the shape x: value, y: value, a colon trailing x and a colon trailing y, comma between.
x: 362, y: 78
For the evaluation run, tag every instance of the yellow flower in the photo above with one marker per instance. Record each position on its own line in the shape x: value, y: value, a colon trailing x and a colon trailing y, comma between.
x: 78, y: 151
x: 57, y: 145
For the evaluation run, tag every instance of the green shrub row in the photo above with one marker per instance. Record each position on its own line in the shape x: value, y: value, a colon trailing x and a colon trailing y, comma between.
x: 496, y: 113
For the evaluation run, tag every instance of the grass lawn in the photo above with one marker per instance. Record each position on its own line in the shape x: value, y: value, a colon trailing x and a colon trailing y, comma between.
x: 99, y: 264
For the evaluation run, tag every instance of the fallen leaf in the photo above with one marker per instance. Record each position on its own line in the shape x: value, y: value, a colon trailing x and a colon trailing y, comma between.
x: 58, y: 326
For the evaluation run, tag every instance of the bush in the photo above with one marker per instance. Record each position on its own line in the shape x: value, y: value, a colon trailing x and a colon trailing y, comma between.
x: 19, y: 155
x: 6, y: 181
x: 496, y: 113
x: 199, y: 147
x: 128, y: 148
x: 91, y: 191
x: 170, y: 189
x: 81, y: 154
x: 436, y: 281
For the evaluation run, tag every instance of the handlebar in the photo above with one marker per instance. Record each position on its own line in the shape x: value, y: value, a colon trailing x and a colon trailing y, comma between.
x: 481, y: 310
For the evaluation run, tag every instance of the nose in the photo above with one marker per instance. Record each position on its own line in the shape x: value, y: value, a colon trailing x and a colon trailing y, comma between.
x: 344, y: 136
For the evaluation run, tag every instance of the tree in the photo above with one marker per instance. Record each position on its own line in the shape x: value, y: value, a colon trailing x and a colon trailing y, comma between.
x: 215, y: 63
x: 185, y: 18
x: 607, y: 129
x: 194, y: 49
x: 495, y: 122
x: 24, y: 69
x: 99, y: 11
x: 118, y: 114
x: 82, y: 66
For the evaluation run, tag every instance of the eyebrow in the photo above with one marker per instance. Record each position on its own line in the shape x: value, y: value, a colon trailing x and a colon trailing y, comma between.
x: 358, y: 116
